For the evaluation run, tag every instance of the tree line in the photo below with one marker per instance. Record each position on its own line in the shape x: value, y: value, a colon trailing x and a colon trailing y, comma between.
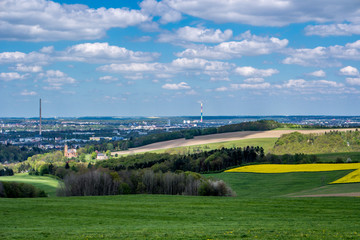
x: 260, y: 125
x: 11, y: 154
x: 104, y: 182
x: 209, y: 161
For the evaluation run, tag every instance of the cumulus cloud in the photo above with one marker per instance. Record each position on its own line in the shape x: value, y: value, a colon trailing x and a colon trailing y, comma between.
x: 20, y: 57
x: 349, y: 71
x: 28, y: 93
x: 249, y: 45
x: 161, y: 9
x: 315, y: 86
x: 10, y: 76
x: 108, y: 79
x: 134, y: 67
x: 31, y: 68
x: 56, y: 79
x: 200, y: 64
x: 257, y: 86
x: 176, y: 86
x: 268, y: 13
x: 102, y: 52
x: 221, y: 89
x: 253, y: 72
x: 323, y: 56
x: 319, y: 73
x: 254, y: 80
x: 41, y: 20
x: 198, y: 34
x: 333, y: 30
x: 353, y: 81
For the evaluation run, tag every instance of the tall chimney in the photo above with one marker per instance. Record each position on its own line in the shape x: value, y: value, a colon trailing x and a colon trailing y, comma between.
x: 40, y: 119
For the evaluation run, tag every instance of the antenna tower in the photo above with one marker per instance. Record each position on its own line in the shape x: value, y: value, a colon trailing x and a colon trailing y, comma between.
x: 40, y: 119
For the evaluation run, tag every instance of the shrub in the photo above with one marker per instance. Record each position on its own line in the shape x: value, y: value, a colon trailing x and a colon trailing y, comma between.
x: 20, y: 190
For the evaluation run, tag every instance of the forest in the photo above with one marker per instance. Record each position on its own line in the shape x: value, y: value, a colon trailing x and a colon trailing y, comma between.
x: 333, y: 141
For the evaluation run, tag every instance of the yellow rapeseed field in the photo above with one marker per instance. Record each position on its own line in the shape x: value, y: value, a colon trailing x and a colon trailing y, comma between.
x: 287, y: 168
x: 352, y: 177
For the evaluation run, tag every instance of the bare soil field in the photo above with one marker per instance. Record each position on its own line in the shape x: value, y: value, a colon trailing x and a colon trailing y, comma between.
x: 220, y: 137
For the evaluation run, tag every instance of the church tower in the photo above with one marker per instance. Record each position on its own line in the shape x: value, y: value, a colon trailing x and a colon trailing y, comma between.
x: 66, y: 150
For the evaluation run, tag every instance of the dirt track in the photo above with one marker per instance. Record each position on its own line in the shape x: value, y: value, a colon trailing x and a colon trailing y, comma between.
x: 220, y: 137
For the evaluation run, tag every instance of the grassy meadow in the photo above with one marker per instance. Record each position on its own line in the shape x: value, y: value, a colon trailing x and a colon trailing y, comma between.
x: 179, y: 217
x: 260, y: 211
x: 48, y: 184
x: 266, y: 143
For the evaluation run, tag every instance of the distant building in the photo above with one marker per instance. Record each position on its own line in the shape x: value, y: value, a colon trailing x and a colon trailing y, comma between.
x: 69, y: 153
x: 101, y: 156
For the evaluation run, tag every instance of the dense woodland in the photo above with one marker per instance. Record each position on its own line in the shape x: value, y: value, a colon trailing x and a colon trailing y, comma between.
x: 333, y: 141
x: 11, y: 154
x: 104, y: 182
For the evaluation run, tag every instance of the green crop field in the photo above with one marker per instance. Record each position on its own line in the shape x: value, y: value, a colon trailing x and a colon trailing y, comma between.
x: 266, y: 143
x: 259, y: 185
x: 260, y: 211
x: 179, y: 217
x: 332, y: 157
x: 48, y: 184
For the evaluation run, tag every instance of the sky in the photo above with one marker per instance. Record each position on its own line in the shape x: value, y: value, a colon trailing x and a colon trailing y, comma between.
x: 165, y: 58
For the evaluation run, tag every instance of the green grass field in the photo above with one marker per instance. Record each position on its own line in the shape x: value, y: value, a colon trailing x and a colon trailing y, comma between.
x: 266, y: 143
x: 331, y: 157
x: 260, y: 185
x: 48, y: 184
x: 179, y: 217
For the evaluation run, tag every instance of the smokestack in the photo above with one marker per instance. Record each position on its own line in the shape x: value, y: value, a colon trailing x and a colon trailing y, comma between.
x: 201, y: 119
x: 40, y: 119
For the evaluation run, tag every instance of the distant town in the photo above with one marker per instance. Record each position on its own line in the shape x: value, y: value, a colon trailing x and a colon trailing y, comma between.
x: 77, y: 132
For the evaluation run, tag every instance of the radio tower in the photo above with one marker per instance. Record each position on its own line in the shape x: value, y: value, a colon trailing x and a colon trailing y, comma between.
x: 40, y: 119
x: 201, y: 119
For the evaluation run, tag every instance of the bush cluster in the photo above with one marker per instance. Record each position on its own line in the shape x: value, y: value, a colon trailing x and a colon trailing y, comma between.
x: 102, y: 182
x: 20, y: 190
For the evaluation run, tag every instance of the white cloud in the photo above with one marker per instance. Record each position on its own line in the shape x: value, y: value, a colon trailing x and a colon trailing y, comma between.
x: 250, y: 45
x: 41, y: 20
x: 191, y: 92
x: 333, y: 30
x: 103, y: 52
x: 154, y: 8
x: 315, y: 86
x: 10, y: 76
x: 23, y: 68
x: 221, y: 89
x: 349, y: 71
x: 270, y: 12
x: 200, y: 64
x: 319, y: 73
x: 20, y: 57
x: 253, y: 72
x: 353, y: 81
x: 323, y: 56
x: 108, y: 79
x: 176, y: 86
x: 134, y: 67
x: 56, y: 79
x: 254, y: 80
x: 28, y: 93
x: 198, y: 34
x: 257, y: 86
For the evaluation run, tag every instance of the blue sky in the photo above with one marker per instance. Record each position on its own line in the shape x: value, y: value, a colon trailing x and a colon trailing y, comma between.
x: 163, y: 58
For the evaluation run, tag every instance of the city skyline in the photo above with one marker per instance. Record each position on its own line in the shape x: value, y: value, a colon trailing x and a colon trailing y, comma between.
x: 165, y: 58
